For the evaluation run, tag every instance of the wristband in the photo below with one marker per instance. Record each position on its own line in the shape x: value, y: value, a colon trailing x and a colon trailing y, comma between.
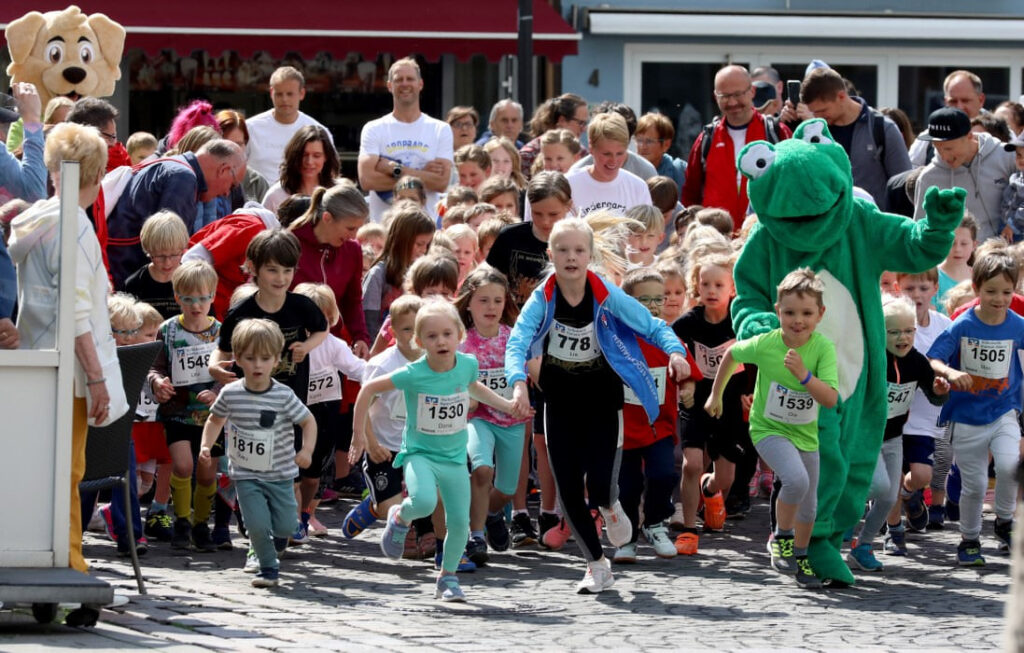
x: 96, y: 381
x: 807, y: 379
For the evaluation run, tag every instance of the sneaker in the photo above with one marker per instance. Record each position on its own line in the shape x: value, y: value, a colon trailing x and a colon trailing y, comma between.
x: 936, y: 518
x: 159, y: 526
x: 597, y: 579
x: 181, y: 538
x: 448, y: 588
x: 917, y: 512
x: 714, y: 507
x: 781, y: 550
x: 625, y: 554
x: 1004, y: 533
x: 863, y: 558
x: 392, y: 542
x: 280, y: 546
x: 426, y: 544
x: 96, y: 521
x: 657, y: 536
x: 266, y: 577
x: 329, y: 496
x: 222, y: 538
x: 201, y: 539
x: 805, y: 576
x: 465, y: 564
x: 476, y: 550
x: 141, y: 548
x: 350, y: 487
x: 952, y: 510
x: 522, y: 531
x: 497, y: 532
x: 252, y: 563
x: 108, y: 522
x: 968, y: 554
x: 316, y: 528
x: 545, y: 522
x: 358, y: 519
x: 896, y: 542
x: 620, y: 531
x: 300, y: 536
x: 686, y: 543
x: 737, y: 508
x: 675, y: 522
x: 555, y: 538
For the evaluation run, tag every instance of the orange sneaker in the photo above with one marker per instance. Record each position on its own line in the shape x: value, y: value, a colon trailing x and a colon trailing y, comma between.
x: 714, y: 507
x: 686, y: 544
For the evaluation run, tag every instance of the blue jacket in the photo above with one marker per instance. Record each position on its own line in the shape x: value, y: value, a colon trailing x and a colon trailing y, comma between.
x: 619, y: 321
x: 25, y: 179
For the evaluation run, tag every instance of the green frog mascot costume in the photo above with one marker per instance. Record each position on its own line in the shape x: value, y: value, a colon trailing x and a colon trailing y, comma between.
x: 802, y: 192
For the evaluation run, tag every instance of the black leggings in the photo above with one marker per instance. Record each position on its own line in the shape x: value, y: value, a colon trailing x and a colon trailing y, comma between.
x: 584, y: 443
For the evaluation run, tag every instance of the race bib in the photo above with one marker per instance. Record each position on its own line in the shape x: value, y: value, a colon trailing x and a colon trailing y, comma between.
x: 495, y: 380
x: 709, y: 358
x: 191, y: 364
x: 987, y: 358
x: 398, y: 407
x: 146, y: 410
x: 660, y: 375
x: 900, y: 396
x: 441, y: 414
x: 251, y: 448
x: 323, y: 386
x: 790, y: 406
x: 573, y: 344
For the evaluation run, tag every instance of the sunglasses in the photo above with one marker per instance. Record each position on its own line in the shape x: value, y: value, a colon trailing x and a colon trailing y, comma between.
x: 190, y: 300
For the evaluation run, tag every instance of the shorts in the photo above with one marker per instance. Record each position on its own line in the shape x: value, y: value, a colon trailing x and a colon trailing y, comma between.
x: 150, y: 443
x: 178, y: 432
x: 725, y: 437
x: 500, y: 447
x: 918, y: 449
x: 327, y: 421
x: 382, y: 479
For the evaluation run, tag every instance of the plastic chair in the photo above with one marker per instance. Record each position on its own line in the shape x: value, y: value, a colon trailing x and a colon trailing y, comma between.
x: 106, y: 450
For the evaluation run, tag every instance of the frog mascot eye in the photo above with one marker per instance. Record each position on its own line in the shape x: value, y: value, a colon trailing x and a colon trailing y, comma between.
x: 756, y: 159
x: 814, y: 132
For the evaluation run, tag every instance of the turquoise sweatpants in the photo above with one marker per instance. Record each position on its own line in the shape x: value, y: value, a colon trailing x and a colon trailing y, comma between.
x: 424, y: 477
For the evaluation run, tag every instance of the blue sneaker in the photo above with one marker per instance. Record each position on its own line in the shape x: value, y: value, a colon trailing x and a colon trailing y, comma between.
x: 968, y: 554
x: 300, y: 536
x: 896, y: 542
x: 465, y: 564
x: 863, y: 558
x: 266, y: 577
x: 936, y: 518
x: 358, y: 519
x: 448, y: 589
x: 392, y: 542
x: 917, y: 512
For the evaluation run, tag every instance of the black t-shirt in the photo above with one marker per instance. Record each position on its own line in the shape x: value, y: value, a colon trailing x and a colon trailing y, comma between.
x: 707, y: 343
x: 298, y: 318
x: 521, y: 257
x: 573, y: 369
x: 158, y: 295
x: 900, y: 373
x: 844, y: 134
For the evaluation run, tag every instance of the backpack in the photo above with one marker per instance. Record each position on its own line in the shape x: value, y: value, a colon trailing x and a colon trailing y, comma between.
x: 772, y: 130
x: 876, y: 123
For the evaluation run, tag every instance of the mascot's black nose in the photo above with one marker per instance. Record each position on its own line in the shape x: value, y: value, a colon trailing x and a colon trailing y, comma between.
x: 74, y: 74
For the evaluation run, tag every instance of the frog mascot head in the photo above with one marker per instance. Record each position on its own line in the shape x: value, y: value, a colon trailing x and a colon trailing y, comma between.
x: 808, y: 216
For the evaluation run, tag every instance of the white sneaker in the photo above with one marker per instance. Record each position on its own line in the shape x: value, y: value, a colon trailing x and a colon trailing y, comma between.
x: 252, y: 563
x: 617, y: 525
x: 626, y: 554
x: 675, y: 522
x: 657, y: 536
x: 598, y: 578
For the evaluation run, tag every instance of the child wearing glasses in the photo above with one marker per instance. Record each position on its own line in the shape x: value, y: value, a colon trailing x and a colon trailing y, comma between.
x: 182, y: 385
x: 164, y: 238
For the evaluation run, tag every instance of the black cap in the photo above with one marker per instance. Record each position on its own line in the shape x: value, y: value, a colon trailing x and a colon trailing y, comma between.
x: 764, y: 92
x: 1017, y: 141
x: 946, y: 124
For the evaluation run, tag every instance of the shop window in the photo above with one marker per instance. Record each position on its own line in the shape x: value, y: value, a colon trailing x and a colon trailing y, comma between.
x: 863, y: 76
x: 921, y: 89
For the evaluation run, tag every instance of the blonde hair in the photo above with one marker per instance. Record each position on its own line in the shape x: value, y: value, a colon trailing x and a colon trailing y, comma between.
x: 405, y: 61
x: 958, y: 295
x: 458, y: 232
x: 893, y: 306
x: 717, y: 218
x: 648, y: 216
x: 194, y: 139
x: 241, y: 293
x: 137, y: 141
x: 801, y: 282
x: 323, y: 297
x: 150, y: 316
x: 606, y: 233
x: 121, y: 307
x: 404, y: 305
x: 637, y: 276
x: 370, y: 230
x: 70, y: 141
x: 608, y: 126
x: 670, y: 269
x: 460, y: 195
x: 489, y: 228
x: 513, y: 153
x: 285, y: 73
x: 194, y: 276
x: 164, y: 231
x: 259, y: 336
x: 709, y: 259
x: 453, y: 216
x: 561, y: 137
x: 438, y: 308
x: 473, y: 154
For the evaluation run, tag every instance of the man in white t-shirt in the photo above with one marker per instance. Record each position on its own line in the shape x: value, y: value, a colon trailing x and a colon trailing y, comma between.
x: 604, y: 185
x: 404, y: 142
x: 270, y: 131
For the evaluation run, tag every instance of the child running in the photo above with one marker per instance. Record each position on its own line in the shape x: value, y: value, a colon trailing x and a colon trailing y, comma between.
x: 260, y: 442
x: 587, y: 331
x: 796, y: 371
x: 437, y: 389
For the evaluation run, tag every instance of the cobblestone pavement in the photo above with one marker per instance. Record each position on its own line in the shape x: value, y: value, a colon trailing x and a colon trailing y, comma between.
x: 344, y: 595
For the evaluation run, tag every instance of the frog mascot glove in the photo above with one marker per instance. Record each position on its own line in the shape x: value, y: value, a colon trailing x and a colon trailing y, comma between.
x: 802, y: 192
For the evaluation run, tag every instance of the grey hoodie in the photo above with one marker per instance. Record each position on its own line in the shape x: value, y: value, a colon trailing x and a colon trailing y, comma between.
x: 984, y: 178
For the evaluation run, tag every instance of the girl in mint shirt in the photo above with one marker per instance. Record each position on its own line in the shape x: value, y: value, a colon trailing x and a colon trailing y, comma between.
x: 437, y: 390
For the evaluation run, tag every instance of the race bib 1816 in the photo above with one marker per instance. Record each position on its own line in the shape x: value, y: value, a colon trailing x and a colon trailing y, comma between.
x: 251, y: 448
x: 790, y: 406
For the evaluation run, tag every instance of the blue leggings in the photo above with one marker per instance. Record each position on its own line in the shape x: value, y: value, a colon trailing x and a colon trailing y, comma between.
x: 424, y: 477
x: 500, y: 447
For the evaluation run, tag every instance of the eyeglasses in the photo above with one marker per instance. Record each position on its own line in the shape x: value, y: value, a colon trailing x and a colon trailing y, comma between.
x: 110, y: 138
x: 164, y: 257
x: 127, y: 333
x: 896, y: 333
x: 581, y: 123
x: 648, y: 300
x: 464, y: 124
x: 190, y: 300
x: 235, y: 181
x: 732, y: 96
x: 647, y: 142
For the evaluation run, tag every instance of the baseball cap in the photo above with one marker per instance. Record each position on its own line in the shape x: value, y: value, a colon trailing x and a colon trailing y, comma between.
x: 764, y: 92
x: 946, y: 124
x: 1017, y: 141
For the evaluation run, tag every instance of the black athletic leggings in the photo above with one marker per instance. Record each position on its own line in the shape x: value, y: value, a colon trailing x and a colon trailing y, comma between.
x: 584, y: 442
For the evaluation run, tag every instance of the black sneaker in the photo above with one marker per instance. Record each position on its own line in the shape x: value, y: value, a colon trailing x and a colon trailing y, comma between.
x: 936, y: 518
x: 952, y: 510
x: 545, y: 522
x: 141, y: 547
x: 737, y: 508
x: 159, y: 526
x: 476, y: 550
x: 523, y: 533
x: 182, y: 536
x: 201, y: 539
x: 497, y: 532
x: 805, y: 576
x: 1004, y: 533
x: 917, y: 512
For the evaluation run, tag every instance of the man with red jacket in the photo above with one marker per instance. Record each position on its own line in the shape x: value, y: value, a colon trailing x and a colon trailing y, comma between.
x: 711, y: 176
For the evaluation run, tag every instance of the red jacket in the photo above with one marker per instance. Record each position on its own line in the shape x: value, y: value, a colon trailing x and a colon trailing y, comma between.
x: 1016, y: 305
x: 637, y: 431
x: 226, y: 240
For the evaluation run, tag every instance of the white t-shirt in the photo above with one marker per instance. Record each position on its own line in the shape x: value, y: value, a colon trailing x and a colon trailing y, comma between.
x: 624, y: 192
x: 923, y: 415
x: 387, y: 412
x: 275, y: 195
x: 268, y: 139
x: 412, y: 144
